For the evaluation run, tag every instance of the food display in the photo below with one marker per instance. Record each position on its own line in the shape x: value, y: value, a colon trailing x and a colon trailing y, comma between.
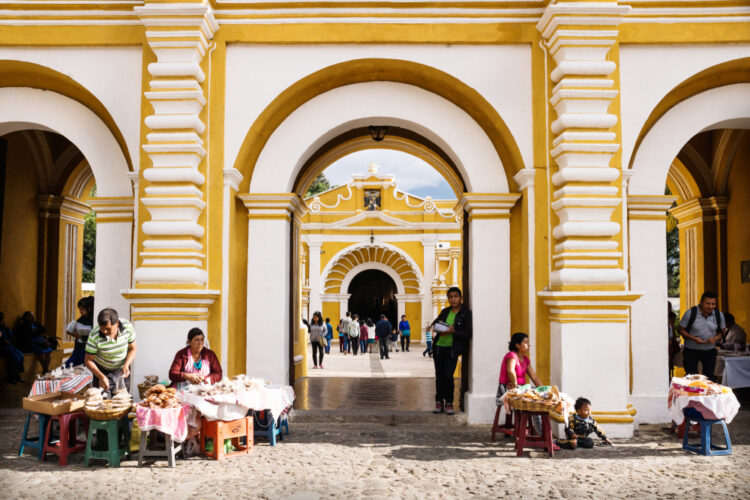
x: 697, y: 385
x: 227, y: 387
x: 62, y: 373
x: 158, y: 396
x: 544, y: 398
x: 95, y: 400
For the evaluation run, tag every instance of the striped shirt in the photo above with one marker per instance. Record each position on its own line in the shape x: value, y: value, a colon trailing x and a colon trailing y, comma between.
x: 110, y: 354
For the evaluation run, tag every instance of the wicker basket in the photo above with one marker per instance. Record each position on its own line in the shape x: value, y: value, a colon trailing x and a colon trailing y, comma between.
x: 526, y: 405
x: 142, y: 388
x: 107, y: 413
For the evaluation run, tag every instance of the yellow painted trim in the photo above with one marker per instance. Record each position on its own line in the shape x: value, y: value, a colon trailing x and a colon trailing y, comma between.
x: 369, y: 70
x: 728, y: 73
x: 25, y: 74
x: 103, y: 219
x: 683, y: 33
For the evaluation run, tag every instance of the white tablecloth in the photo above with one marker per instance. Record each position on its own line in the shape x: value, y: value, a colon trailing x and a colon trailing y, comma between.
x: 736, y: 372
x: 719, y: 406
x: 232, y: 407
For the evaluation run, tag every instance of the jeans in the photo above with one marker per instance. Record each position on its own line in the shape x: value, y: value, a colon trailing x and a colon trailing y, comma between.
x: 328, y: 345
x: 383, y: 344
x: 408, y: 341
x: 585, y: 442
x: 342, y: 344
x: 429, y: 348
x: 445, y: 365
x: 690, y: 358
x: 347, y: 347
x: 355, y: 345
x: 317, y: 347
x: 363, y: 346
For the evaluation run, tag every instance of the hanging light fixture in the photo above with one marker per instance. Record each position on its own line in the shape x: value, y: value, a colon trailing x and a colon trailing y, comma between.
x: 377, y: 132
x: 372, y: 238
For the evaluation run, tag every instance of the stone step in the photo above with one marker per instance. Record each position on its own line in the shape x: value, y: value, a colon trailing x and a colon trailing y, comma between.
x: 383, y: 417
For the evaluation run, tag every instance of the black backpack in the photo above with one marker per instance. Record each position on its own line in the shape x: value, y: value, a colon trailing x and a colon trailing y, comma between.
x: 694, y: 314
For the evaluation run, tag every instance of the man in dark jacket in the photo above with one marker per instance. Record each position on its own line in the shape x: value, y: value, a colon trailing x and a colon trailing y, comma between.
x: 447, y: 346
x: 383, y: 331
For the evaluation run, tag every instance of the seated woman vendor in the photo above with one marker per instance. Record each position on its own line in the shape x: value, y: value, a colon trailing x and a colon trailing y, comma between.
x: 516, y: 365
x: 195, y: 364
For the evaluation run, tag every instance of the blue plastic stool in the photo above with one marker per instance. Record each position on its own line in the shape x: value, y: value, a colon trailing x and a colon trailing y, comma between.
x: 705, y: 447
x: 284, y: 423
x: 270, y: 429
x: 34, y: 442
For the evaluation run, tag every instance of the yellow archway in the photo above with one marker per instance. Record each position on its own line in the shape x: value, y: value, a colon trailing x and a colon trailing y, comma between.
x: 388, y: 70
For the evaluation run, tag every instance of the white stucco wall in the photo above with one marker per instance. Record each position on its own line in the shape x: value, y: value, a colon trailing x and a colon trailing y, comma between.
x: 258, y: 74
x: 649, y: 73
x: 111, y: 74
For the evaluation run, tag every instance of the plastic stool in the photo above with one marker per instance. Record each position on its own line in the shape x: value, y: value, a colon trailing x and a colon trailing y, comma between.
x: 149, y: 437
x: 705, y: 447
x: 523, y: 420
x: 34, y: 442
x: 270, y: 429
x: 218, y: 431
x: 114, y: 452
x: 68, y: 443
x: 509, y: 428
x: 284, y: 423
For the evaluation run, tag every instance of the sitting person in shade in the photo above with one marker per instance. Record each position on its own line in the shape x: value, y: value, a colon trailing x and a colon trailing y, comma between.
x: 580, y: 425
x: 736, y: 338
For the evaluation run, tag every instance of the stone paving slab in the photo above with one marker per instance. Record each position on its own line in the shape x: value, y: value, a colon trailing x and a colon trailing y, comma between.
x: 398, y: 365
x: 412, y: 461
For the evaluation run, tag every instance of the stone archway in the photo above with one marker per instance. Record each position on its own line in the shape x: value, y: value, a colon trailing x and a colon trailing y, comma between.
x: 273, y: 206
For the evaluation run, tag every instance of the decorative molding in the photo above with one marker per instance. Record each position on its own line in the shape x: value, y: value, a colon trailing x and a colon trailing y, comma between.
x: 272, y: 205
x: 589, y: 306
x: 699, y: 210
x: 488, y: 205
x: 649, y: 207
x: 232, y: 178
x: 169, y: 304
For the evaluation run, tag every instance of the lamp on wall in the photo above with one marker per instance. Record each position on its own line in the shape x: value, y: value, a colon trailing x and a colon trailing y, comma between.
x: 377, y: 132
x: 372, y: 238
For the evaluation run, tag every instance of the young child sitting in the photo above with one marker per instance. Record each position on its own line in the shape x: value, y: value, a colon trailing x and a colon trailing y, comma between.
x: 580, y: 425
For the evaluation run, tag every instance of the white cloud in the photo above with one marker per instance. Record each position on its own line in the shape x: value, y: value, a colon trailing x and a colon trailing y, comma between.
x: 412, y: 174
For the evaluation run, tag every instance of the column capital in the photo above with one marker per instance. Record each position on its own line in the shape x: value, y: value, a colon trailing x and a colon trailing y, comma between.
x: 525, y: 178
x: 272, y: 205
x: 232, y: 178
x: 112, y: 209
x: 429, y: 240
x: 649, y: 207
x: 169, y: 304
x: 579, y: 14
x: 699, y: 210
x: 488, y: 205
x: 589, y: 306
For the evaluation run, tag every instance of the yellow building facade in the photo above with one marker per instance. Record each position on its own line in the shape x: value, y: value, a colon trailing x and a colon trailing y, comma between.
x: 558, y: 125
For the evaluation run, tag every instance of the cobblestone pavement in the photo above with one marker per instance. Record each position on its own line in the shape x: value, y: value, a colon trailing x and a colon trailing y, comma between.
x: 420, y: 457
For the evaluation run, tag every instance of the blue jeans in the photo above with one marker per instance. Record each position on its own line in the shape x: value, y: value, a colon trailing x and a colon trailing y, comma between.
x: 328, y: 345
x: 429, y: 348
x: 363, y: 346
x: 347, y: 347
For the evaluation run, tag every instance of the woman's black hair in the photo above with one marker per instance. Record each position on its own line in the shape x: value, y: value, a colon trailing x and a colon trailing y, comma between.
x: 454, y: 289
x: 87, y: 304
x: 516, y: 339
x: 581, y: 402
x: 194, y: 332
x: 320, y: 318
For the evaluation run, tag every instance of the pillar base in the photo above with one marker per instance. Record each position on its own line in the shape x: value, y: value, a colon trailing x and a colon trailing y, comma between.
x: 480, y: 408
x: 652, y: 408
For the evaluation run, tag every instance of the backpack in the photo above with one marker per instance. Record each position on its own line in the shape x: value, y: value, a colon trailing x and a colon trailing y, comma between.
x: 354, y: 329
x: 694, y: 313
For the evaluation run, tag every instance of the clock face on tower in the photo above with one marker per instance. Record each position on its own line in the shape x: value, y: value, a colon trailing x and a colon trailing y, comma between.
x: 372, y: 199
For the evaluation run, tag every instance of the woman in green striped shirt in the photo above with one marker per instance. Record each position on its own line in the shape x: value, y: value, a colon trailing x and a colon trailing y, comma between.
x: 111, y: 350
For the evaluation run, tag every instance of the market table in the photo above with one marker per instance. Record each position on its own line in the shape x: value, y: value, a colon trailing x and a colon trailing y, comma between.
x: 736, y: 371
x: 170, y: 421
x: 71, y: 383
x: 276, y: 399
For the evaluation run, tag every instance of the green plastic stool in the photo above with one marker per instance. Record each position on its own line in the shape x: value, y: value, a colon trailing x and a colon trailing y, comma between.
x: 115, y: 451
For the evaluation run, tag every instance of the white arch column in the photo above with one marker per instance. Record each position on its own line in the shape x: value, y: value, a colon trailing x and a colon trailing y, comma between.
x: 268, y: 283
x: 489, y: 265
x: 648, y: 325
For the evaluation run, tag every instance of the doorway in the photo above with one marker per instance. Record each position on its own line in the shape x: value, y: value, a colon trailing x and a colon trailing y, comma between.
x: 373, y: 293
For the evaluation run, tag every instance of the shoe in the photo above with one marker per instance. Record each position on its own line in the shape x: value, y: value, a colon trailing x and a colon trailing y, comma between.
x: 315, y: 367
x: 423, y: 354
x: 321, y: 367
x: 438, y: 408
x: 449, y: 409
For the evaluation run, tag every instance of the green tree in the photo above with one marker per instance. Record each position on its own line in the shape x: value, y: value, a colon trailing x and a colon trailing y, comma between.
x: 673, y: 255
x: 89, y: 245
x: 320, y: 184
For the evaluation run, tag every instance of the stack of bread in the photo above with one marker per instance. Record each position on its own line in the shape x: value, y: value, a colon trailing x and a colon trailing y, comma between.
x: 697, y: 385
x: 159, y: 396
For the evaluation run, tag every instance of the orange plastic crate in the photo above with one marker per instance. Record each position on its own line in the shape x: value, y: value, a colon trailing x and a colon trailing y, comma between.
x: 219, y: 430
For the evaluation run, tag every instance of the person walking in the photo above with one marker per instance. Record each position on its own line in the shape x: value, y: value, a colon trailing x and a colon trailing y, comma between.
x: 405, y: 330
x: 393, y: 340
x: 318, y: 331
x: 383, y: 330
x: 364, y: 334
x: 329, y: 335
x: 342, y: 334
x: 428, y: 340
x: 370, y: 334
x: 345, y: 324
x: 354, y: 334
x: 453, y: 331
x: 703, y: 327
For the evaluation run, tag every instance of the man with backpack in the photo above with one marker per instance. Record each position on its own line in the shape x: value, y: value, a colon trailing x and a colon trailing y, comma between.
x: 703, y: 327
x: 383, y: 330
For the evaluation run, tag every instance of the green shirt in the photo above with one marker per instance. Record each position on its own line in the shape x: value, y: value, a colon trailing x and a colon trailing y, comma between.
x: 446, y: 339
x: 110, y: 354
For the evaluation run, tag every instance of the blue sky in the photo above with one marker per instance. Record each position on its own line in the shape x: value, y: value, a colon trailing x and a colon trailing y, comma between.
x: 412, y: 174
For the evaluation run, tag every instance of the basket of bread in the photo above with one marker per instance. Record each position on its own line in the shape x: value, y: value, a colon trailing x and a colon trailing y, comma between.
x: 150, y: 381
x: 99, y: 408
x: 548, y: 399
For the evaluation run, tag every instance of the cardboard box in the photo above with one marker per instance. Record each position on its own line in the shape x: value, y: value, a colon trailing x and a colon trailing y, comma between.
x: 50, y: 404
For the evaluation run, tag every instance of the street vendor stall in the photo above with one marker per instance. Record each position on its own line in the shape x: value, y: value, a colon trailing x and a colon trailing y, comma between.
x: 711, y: 400
x: 62, y: 380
